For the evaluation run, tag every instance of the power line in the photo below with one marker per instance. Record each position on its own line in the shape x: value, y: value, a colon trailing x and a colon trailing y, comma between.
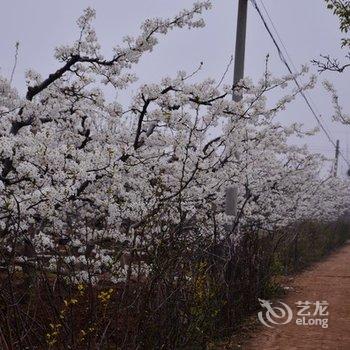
x: 289, y: 57
x: 285, y: 62
x: 278, y: 36
x: 283, y: 59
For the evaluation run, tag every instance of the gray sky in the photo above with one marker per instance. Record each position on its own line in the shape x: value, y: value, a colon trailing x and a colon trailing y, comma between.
x: 306, y: 27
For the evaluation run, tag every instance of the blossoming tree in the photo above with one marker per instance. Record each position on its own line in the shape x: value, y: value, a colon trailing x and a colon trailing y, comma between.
x: 91, y: 188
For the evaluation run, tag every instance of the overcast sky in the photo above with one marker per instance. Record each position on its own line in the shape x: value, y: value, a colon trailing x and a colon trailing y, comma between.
x: 306, y: 27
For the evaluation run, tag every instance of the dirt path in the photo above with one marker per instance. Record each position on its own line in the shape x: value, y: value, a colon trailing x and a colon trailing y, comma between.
x: 329, y: 281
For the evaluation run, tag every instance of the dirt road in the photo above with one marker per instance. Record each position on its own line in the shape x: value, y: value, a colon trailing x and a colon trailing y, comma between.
x: 327, y: 281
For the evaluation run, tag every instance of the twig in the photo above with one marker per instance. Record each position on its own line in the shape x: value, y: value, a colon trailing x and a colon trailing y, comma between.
x: 225, y: 73
x: 15, y: 63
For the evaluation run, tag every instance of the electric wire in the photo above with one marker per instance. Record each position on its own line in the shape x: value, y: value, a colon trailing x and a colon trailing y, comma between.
x: 289, y: 56
x: 285, y: 62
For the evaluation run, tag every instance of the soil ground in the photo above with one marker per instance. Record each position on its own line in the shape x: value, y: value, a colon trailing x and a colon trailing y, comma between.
x: 328, y: 281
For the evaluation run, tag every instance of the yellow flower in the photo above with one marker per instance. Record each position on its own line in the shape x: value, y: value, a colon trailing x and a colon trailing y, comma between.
x: 81, y: 288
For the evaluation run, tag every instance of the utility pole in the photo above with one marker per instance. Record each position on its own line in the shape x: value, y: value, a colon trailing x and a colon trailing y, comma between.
x: 232, y: 192
x: 231, y: 201
x: 240, y: 45
x: 336, y: 160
